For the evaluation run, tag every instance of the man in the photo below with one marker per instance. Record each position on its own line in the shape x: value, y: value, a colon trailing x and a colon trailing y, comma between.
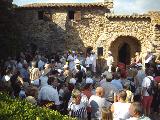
x: 110, y: 89
x: 110, y: 60
x: 148, y: 58
x: 70, y: 59
x: 97, y: 102
x: 136, y: 112
x: 34, y: 72
x: 93, y: 59
x: 47, y: 93
x: 120, y: 109
x: 88, y: 63
x: 117, y: 82
x: 146, y: 96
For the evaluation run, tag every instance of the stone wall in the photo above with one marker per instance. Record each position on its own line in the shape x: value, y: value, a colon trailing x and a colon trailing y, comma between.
x: 58, y: 32
x: 95, y: 28
x: 140, y: 29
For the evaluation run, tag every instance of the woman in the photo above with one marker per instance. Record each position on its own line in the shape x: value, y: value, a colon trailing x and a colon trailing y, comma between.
x: 76, y: 107
x: 120, y: 109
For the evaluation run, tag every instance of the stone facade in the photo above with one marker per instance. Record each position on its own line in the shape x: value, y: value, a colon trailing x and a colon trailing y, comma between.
x: 79, y: 26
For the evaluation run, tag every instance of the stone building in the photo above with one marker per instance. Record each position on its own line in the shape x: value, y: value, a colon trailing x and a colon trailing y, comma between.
x: 85, y: 26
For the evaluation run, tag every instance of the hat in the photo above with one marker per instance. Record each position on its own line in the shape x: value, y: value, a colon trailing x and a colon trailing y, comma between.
x: 76, y: 61
x: 44, y: 80
x: 89, y: 80
x: 109, y: 52
x: 157, y: 79
x: 72, y: 81
x: 46, y: 71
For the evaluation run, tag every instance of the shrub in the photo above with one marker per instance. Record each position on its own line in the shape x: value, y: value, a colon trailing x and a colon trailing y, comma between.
x: 17, y: 109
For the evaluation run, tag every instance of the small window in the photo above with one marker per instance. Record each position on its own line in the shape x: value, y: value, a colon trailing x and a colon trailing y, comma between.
x: 100, y: 51
x: 77, y: 16
x: 40, y: 15
x: 71, y: 15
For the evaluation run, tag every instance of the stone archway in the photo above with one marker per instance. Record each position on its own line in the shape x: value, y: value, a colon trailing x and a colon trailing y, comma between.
x: 124, y: 48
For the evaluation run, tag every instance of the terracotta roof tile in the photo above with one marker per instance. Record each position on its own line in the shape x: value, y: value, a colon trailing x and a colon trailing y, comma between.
x: 127, y: 16
x: 52, y: 5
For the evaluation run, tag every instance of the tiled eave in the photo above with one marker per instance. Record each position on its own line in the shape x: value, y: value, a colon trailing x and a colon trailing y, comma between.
x: 128, y: 16
x: 107, y: 5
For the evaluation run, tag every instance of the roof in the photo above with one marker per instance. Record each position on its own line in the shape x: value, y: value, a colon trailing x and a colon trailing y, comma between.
x: 128, y: 16
x: 58, y: 5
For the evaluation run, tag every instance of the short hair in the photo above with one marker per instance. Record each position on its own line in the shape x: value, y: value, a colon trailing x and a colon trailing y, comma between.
x: 137, y: 107
x: 75, y: 93
x: 122, y: 94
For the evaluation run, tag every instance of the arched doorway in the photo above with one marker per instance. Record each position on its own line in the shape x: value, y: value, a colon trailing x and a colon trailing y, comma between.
x: 124, y: 48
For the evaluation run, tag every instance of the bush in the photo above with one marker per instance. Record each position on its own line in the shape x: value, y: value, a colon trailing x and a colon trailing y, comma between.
x: 17, y: 109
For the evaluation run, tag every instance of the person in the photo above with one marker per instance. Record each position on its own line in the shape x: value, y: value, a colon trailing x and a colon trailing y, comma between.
x: 97, y: 102
x: 136, y: 111
x: 130, y: 96
x: 146, y: 96
x: 88, y: 62
x: 139, y: 78
x: 110, y: 89
x: 107, y: 114
x: 120, y: 109
x: 137, y: 58
x: 77, y: 108
x: 148, y: 58
x: 70, y: 59
x: 117, y: 82
x: 110, y: 61
x: 34, y: 72
x: 87, y: 90
x: 93, y: 59
x: 47, y: 93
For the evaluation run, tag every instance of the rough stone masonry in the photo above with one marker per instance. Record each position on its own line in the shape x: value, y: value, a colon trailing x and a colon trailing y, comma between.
x: 78, y: 26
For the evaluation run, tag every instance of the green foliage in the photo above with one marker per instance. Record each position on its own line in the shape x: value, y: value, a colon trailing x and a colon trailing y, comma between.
x: 17, y: 109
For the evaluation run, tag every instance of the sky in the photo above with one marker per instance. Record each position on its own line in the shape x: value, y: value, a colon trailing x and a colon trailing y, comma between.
x: 120, y: 6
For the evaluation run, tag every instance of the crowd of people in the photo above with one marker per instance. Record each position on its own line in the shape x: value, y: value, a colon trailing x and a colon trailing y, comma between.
x: 69, y: 83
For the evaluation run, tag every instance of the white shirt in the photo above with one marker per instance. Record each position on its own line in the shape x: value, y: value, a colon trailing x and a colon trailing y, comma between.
x: 121, y: 111
x: 146, y: 83
x: 141, y: 118
x: 71, y: 61
x: 140, y: 76
x: 88, y: 61
x: 110, y: 61
x: 47, y: 92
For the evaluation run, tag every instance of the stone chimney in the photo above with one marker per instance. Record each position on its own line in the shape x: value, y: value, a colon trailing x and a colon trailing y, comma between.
x: 107, y: 1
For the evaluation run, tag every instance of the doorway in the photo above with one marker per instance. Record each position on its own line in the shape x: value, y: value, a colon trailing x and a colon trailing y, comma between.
x: 124, y: 54
x: 123, y: 48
